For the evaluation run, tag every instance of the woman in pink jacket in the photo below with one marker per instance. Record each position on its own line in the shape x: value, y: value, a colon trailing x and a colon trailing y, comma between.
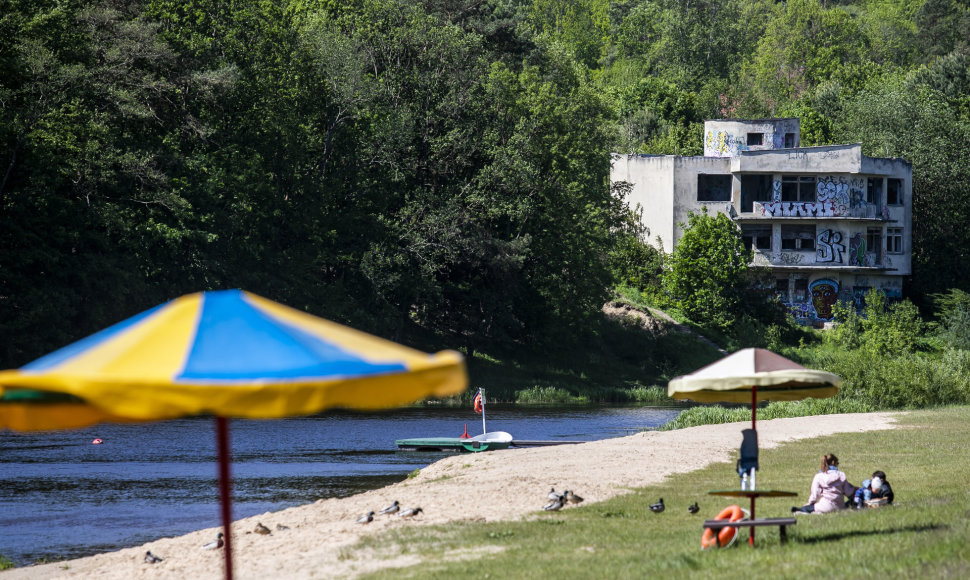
x: 829, y: 489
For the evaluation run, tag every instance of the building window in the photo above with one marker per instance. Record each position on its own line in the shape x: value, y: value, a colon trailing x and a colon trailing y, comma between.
x: 756, y: 237
x: 801, y: 290
x: 756, y: 138
x: 798, y: 188
x: 894, y: 191
x: 874, y: 191
x: 797, y: 237
x: 713, y: 187
x: 754, y: 187
x: 781, y: 289
x: 789, y: 140
x: 874, y: 240
x: 894, y: 240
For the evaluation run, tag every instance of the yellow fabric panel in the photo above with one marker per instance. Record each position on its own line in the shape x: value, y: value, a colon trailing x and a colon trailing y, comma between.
x: 32, y: 417
x: 145, y: 400
x: 154, y: 349
x: 366, y: 346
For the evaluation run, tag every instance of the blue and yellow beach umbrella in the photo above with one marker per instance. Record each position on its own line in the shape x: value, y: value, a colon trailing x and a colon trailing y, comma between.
x: 226, y: 353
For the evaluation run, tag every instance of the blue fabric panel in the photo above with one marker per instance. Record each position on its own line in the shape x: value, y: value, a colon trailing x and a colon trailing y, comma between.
x: 51, y: 360
x: 235, y: 341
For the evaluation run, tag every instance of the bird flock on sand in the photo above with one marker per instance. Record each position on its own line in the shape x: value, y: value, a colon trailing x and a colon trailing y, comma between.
x: 559, y: 500
x: 394, y: 509
x: 556, y: 501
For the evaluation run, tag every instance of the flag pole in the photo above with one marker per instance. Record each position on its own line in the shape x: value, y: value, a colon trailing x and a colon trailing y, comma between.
x: 480, y: 392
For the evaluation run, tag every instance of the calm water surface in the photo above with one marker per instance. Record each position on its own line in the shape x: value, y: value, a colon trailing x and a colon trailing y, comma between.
x: 62, y: 497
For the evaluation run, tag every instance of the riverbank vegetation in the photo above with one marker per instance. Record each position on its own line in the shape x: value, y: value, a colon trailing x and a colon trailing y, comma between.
x: 437, y: 172
x: 925, y: 534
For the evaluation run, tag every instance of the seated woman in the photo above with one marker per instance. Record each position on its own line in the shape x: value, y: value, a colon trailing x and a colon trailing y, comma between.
x: 874, y: 492
x: 828, y: 488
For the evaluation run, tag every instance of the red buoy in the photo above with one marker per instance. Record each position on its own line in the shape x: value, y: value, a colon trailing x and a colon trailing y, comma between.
x: 97, y: 442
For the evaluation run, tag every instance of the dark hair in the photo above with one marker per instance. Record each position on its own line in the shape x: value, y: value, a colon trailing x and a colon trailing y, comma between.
x: 827, y: 460
x: 881, y: 475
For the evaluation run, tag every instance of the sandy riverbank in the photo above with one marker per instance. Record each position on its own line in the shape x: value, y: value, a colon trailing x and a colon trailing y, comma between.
x: 506, y: 485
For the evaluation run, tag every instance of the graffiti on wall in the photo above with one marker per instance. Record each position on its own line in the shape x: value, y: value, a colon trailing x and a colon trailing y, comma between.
x: 801, y: 311
x: 721, y: 143
x: 857, y: 250
x: 825, y: 292
x: 790, y: 258
x: 832, y: 189
x: 776, y: 191
x: 829, y: 246
x: 798, y: 209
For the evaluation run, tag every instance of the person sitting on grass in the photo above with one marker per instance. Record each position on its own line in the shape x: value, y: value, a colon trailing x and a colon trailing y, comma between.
x: 828, y: 488
x: 874, y: 492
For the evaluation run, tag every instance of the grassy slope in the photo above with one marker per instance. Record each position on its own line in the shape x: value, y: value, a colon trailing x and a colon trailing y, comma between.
x: 926, y: 535
x: 615, y: 362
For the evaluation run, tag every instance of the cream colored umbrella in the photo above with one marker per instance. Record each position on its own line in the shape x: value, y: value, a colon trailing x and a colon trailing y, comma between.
x: 753, y: 375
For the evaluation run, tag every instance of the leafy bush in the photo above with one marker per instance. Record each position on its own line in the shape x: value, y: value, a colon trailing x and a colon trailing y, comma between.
x: 717, y: 414
x: 953, y: 311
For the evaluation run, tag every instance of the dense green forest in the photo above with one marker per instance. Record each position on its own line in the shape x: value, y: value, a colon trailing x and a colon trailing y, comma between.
x: 431, y: 170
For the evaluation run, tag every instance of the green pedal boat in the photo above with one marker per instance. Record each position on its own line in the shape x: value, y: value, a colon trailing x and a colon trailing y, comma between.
x: 484, y: 442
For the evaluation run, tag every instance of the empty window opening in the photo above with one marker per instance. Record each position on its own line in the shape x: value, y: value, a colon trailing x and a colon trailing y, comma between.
x: 756, y: 138
x: 797, y: 237
x: 801, y: 290
x: 781, y: 289
x: 756, y: 237
x: 894, y: 191
x: 874, y: 191
x: 873, y: 240
x: 789, y: 140
x: 754, y: 187
x: 713, y: 187
x: 894, y: 240
x: 798, y: 188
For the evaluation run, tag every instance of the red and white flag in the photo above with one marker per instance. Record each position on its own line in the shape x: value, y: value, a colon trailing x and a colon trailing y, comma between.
x: 478, y: 402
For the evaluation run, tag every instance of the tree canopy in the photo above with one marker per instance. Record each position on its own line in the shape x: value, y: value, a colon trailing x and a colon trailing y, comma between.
x: 437, y: 168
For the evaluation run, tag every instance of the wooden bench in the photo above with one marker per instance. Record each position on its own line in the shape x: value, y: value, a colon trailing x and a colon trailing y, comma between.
x: 716, y: 525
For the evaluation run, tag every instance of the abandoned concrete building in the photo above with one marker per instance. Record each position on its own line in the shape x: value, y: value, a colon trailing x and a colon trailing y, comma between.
x: 828, y: 222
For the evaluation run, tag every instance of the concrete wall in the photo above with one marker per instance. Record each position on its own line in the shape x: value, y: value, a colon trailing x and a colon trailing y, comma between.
x: 729, y: 137
x: 665, y: 187
x: 834, y: 158
x: 652, y: 177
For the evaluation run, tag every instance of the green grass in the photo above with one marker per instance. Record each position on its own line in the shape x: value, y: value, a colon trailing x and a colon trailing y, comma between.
x: 926, y: 535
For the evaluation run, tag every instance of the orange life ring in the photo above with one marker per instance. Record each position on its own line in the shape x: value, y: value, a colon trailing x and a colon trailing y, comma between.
x: 725, y: 535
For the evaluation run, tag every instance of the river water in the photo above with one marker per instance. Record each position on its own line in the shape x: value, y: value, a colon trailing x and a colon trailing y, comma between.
x: 63, y: 497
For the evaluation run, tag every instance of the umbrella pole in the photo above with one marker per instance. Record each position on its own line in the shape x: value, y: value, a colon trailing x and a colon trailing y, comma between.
x: 222, y: 431
x: 754, y: 427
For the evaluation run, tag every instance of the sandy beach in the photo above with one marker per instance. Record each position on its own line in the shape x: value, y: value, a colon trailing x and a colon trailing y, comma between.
x: 505, y: 485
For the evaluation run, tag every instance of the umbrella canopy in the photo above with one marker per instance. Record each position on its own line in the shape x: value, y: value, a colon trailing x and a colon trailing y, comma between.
x: 753, y: 372
x: 227, y: 353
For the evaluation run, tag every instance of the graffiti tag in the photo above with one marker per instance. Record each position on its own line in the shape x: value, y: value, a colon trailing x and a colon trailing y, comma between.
x: 798, y: 209
x: 830, y: 246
